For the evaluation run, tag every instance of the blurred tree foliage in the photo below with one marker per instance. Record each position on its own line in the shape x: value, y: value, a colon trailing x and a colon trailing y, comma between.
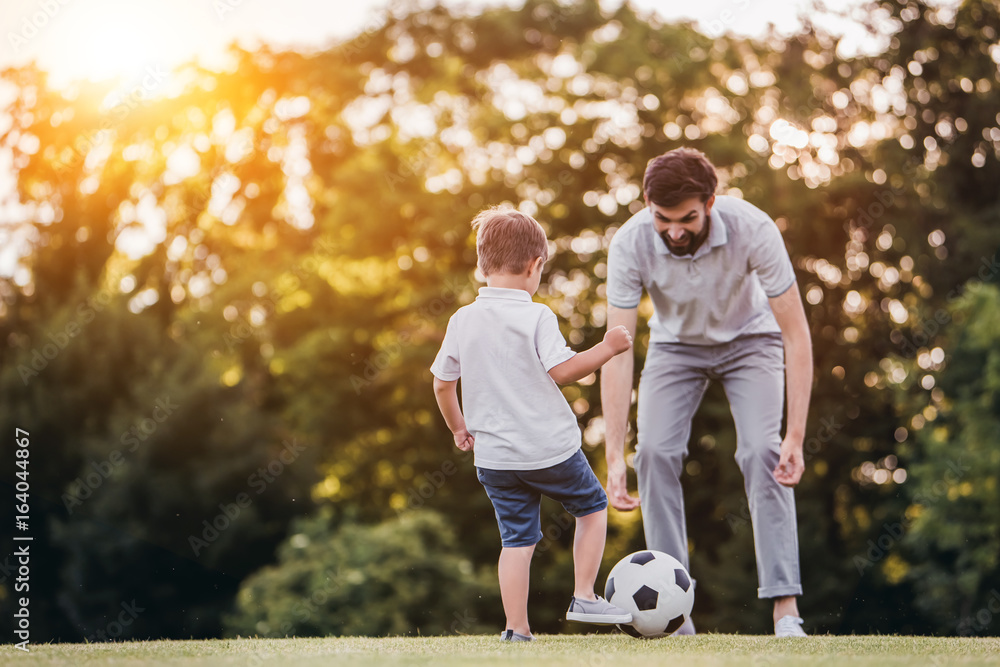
x: 271, y: 252
x: 392, y: 578
x: 952, y: 550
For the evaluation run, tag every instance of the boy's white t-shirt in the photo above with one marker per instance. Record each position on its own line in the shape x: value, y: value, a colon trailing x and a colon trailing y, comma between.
x: 502, y: 346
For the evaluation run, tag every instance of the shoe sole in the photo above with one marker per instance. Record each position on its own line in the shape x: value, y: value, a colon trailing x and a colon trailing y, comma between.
x: 599, y: 619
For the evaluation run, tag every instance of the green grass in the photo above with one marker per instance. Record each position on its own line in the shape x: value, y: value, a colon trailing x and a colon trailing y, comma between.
x: 555, y: 650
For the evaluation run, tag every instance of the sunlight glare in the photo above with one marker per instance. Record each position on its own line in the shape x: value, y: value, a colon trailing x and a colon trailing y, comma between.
x: 107, y: 39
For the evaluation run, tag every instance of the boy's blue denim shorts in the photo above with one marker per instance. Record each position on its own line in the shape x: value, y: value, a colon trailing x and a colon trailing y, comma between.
x: 517, y: 496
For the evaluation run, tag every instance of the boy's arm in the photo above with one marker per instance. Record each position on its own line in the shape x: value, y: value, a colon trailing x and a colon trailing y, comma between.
x: 616, y: 341
x: 446, y: 393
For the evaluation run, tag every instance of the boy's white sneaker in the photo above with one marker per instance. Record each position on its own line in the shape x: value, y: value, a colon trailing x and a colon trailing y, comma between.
x: 597, y: 611
x: 789, y: 626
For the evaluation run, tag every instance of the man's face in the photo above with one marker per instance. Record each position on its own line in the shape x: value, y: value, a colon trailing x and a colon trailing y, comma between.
x: 683, y: 227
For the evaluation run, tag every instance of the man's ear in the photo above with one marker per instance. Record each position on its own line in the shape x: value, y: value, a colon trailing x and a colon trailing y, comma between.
x: 708, y: 204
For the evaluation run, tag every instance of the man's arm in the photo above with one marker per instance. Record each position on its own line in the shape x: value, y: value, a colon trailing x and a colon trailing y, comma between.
x: 616, y: 341
x: 616, y: 402
x: 446, y: 393
x: 791, y: 317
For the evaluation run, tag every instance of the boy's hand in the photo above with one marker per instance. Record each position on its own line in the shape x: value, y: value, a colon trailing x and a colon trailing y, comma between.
x: 619, y: 339
x: 464, y: 440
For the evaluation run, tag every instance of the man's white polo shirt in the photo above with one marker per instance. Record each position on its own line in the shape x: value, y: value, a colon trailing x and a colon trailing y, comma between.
x: 714, y: 296
x: 502, y: 346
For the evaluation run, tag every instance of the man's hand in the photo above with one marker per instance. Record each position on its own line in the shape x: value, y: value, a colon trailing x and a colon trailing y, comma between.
x: 791, y: 317
x: 791, y: 464
x: 619, y: 339
x: 618, y: 489
x: 464, y: 440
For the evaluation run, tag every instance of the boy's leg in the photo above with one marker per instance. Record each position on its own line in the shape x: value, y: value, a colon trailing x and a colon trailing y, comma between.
x: 514, y: 568
x: 574, y: 484
x: 588, y: 550
x: 517, y: 508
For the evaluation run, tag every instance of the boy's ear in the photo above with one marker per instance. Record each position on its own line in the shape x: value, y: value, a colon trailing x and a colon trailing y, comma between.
x: 536, y: 266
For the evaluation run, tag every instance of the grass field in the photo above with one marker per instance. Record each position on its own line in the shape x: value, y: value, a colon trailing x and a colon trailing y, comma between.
x: 554, y: 650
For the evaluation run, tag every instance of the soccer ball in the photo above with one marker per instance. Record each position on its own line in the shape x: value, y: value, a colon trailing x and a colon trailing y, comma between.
x: 657, y: 590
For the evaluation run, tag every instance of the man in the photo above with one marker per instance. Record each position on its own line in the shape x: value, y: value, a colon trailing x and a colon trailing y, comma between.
x: 727, y: 308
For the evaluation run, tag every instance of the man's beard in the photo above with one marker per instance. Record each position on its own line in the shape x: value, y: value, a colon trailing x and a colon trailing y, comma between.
x: 690, y: 244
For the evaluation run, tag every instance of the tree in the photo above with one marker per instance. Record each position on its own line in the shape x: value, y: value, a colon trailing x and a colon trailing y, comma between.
x: 310, y: 238
x: 404, y: 576
x: 951, y: 544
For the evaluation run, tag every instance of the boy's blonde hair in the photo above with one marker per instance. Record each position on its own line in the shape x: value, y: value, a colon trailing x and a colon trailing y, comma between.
x: 508, y: 241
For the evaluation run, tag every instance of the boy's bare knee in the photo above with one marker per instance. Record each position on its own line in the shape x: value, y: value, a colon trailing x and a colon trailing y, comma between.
x: 599, y: 515
x: 515, y: 552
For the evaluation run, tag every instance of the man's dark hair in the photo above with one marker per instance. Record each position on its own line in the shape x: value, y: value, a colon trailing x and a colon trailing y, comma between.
x: 678, y: 175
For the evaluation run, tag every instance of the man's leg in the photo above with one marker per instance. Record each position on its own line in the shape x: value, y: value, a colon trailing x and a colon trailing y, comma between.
x: 752, y: 373
x: 670, y: 391
x: 785, y: 606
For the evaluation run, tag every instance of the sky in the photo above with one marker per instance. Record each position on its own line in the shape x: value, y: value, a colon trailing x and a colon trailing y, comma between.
x: 102, y: 38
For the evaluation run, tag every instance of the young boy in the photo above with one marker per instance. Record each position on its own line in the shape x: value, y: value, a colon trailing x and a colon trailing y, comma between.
x: 510, y: 354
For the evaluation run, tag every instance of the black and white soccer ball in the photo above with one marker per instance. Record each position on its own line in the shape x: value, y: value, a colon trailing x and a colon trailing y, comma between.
x: 656, y: 588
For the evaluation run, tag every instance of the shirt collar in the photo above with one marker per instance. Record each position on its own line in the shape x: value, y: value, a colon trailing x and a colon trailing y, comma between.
x: 717, y: 236
x: 503, y: 293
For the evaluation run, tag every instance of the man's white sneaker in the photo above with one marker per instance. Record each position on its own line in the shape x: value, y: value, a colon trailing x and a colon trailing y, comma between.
x: 686, y: 629
x: 789, y: 626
